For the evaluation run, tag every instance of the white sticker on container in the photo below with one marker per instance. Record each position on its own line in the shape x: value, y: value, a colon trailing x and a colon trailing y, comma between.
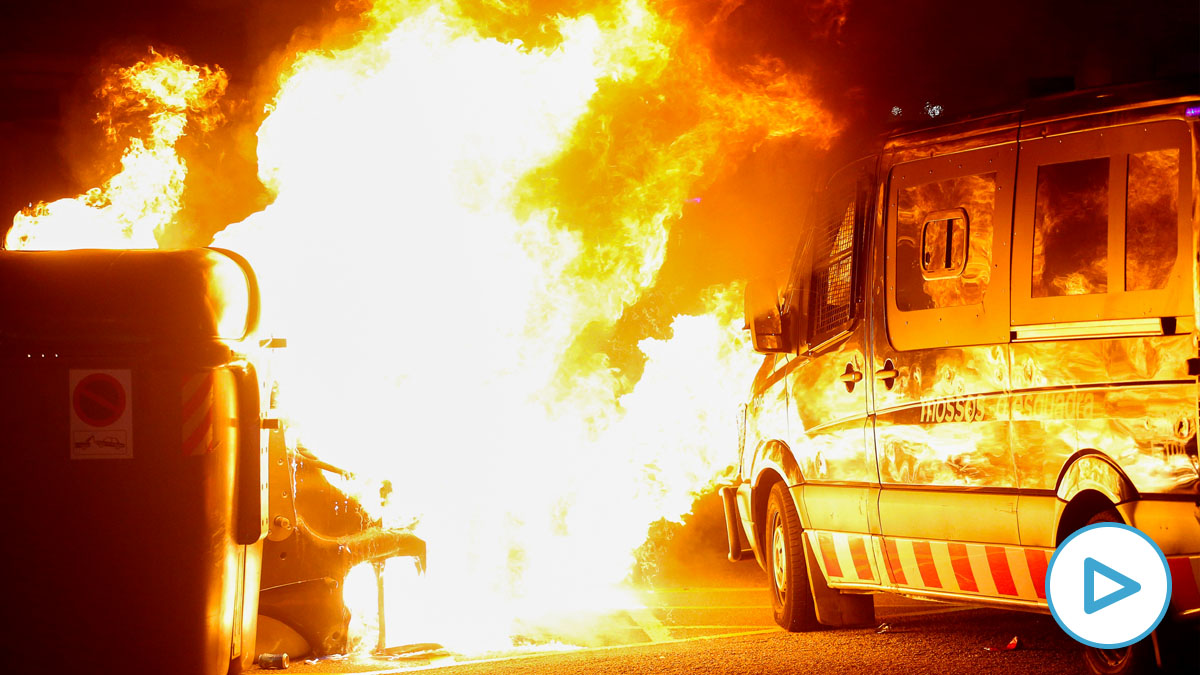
x: 101, y: 414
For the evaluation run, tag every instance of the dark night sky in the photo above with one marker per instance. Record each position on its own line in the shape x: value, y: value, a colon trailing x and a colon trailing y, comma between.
x: 963, y: 55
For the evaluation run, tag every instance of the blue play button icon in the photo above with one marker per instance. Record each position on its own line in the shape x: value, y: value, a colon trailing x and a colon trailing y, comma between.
x: 1107, y: 609
x: 1092, y: 604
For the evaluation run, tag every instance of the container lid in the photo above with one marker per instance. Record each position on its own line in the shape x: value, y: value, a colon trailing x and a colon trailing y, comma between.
x: 126, y: 296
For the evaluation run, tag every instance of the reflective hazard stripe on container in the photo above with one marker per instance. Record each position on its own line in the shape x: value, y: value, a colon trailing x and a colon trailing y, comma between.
x: 844, y: 557
x: 997, y: 571
x: 196, y: 398
x: 1185, y: 582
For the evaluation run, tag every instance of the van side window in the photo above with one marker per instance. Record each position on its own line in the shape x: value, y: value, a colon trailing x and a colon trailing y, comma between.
x: 1070, y: 229
x: 827, y: 275
x: 947, y: 247
x: 944, y: 242
x: 1070, y: 224
x: 1098, y: 231
x: 833, y: 266
x: 1152, y: 212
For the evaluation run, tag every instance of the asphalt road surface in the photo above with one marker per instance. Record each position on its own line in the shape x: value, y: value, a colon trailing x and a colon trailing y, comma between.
x: 702, y: 614
x: 729, y: 630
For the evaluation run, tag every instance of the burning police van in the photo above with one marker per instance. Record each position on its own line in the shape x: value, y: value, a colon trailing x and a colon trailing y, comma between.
x: 988, y: 342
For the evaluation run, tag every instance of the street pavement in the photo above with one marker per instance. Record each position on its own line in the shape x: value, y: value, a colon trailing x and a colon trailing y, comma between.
x: 702, y: 614
x: 729, y: 629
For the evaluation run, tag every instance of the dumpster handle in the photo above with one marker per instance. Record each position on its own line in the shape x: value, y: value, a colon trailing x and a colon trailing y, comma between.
x: 250, y: 495
x: 253, y: 309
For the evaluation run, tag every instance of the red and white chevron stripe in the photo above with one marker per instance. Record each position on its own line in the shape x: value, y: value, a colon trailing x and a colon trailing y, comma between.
x: 196, y: 403
x: 1185, y: 583
x: 845, y: 557
x: 1006, y: 572
x: 978, y: 569
x: 1012, y: 572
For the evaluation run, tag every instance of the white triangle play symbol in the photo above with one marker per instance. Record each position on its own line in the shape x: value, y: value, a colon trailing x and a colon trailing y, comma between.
x: 1093, y: 602
x: 1105, y: 586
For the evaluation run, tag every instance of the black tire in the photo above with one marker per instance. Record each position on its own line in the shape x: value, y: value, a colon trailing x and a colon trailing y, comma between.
x: 1135, y: 658
x: 791, y: 597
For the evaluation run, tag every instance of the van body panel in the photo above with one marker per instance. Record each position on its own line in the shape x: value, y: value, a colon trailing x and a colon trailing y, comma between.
x: 983, y: 132
x: 1128, y: 398
x: 1037, y: 518
x: 836, y: 449
x: 766, y: 422
x: 1167, y: 522
x: 1095, y: 471
x: 938, y: 514
x: 848, y: 559
x: 841, y: 508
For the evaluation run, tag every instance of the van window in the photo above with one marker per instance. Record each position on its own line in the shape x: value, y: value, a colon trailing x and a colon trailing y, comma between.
x: 947, y: 247
x: 1070, y: 229
x: 833, y: 269
x: 826, y: 281
x: 1098, y: 232
x: 1152, y: 213
x: 940, y: 260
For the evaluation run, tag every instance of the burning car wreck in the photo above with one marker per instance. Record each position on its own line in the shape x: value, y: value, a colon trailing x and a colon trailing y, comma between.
x: 317, y: 535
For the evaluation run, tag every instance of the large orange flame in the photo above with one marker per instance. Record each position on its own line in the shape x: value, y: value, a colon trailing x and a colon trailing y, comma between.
x: 452, y: 212
x: 149, y: 107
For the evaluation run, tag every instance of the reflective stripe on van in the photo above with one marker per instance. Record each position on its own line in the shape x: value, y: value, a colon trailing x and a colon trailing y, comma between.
x: 996, y: 571
x: 1185, y: 583
x: 1006, y: 572
x: 844, y: 557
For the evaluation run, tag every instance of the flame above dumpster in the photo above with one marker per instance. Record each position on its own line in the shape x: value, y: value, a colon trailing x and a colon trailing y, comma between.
x: 460, y: 220
x: 148, y: 107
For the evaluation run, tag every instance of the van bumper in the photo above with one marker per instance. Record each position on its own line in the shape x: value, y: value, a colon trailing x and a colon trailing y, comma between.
x: 738, y: 548
x: 1171, y: 522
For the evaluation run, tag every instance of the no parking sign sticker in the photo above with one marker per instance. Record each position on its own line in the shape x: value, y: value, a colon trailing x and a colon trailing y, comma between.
x: 101, y: 414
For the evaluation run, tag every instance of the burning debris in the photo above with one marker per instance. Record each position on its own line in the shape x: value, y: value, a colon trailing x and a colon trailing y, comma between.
x: 1011, y: 645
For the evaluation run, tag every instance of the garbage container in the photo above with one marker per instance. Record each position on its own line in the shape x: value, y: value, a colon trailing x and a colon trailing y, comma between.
x: 134, y: 467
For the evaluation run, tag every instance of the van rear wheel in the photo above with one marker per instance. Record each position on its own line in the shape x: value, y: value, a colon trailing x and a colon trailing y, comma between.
x: 791, y: 598
x: 1128, y: 660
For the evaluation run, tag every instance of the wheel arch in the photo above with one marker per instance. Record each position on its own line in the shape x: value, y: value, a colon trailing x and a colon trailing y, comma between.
x: 1089, y: 483
x: 1078, y: 511
x: 774, y: 463
x: 1094, y: 470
